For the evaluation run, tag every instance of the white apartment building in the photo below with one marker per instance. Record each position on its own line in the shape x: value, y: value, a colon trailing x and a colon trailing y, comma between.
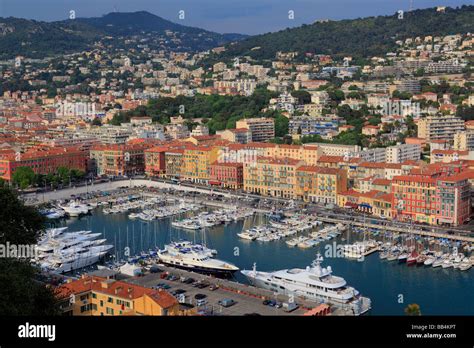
x: 372, y: 155
x: 338, y: 149
x: 402, y: 152
x: 200, y: 130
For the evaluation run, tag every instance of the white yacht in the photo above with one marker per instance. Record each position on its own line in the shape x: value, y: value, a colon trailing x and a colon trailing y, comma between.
x: 247, y: 235
x: 75, y: 209
x: 314, y: 283
x: 196, y: 260
x: 63, y: 252
x: 360, y: 249
x: 64, y: 264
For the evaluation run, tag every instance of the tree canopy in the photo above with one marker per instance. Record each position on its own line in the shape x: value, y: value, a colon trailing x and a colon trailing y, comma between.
x: 21, y: 292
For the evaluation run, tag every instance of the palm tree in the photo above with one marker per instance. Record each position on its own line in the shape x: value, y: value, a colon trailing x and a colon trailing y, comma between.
x: 413, y: 309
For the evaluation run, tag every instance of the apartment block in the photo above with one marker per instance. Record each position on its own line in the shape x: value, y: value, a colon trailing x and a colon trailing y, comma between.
x: 272, y: 177
x: 439, y: 127
x: 43, y: 160
x: 319, y: 184
x: 196, y: 163
x: 229, y: 175
x: 402, y: 152
x: 119, y: 160
x: 262, y: 129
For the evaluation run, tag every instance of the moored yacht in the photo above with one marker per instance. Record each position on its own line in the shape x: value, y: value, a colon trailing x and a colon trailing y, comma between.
x: 191, y: 259
x: 315, y: 283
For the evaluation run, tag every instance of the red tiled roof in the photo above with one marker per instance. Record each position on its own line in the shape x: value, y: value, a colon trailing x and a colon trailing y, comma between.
x: 227, y: 164
x: 415, y: 178
x: 330, y: 159
x: 320, y: 170
x: 450, y: 152
x: 116, y: 288
x: 380, y: 181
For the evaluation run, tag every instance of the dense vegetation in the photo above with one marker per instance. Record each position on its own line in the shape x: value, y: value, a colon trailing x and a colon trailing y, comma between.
x: 25, y: 177
x: 36, y: 39
x: 21, y: 292
x: 218, y: 112
x: 363, y: 37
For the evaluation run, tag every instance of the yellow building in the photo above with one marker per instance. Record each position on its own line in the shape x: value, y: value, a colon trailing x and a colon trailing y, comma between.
x: 307, y: 153
x: 319, y: 184
x: 374, y: 202
x: 98, y: 296
x: 196, y: 162
x: 272, y: 177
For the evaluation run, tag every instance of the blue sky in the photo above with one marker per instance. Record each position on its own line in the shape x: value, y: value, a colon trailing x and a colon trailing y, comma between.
x: 224, y: 16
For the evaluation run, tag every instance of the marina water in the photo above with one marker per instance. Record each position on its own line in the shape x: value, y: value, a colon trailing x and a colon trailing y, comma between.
x: 390, y: 286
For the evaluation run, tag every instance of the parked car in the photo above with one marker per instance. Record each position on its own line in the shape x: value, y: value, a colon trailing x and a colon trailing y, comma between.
x: 155, y: 269
x: 227, y: 302
x: 201, y: 302
x: 290, y: 307
x: 200, y: 296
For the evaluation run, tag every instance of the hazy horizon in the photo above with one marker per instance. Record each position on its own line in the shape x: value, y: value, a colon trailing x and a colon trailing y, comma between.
x: 234, y: 16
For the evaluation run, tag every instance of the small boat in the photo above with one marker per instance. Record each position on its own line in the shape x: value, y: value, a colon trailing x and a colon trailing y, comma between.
x: 447, y: 263
x: 438, y: 262
x: 402, y: 257
x: 383, y: 255
x: 392, y: 256
x: 411, y: 260
x: 420, y: 260
x: 465, y: 265
x: 429, y: 260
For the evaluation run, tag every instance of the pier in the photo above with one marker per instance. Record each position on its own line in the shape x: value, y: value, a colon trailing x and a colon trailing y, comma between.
x: 398, y: 229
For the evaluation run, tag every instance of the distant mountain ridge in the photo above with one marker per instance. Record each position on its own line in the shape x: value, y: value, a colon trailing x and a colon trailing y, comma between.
x: 37, y: 39
x: 362, y: 37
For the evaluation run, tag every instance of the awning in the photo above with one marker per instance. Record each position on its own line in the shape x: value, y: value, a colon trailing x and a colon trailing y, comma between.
x: 350, y: 205
x: 322, y: 309
x: 211, y: 182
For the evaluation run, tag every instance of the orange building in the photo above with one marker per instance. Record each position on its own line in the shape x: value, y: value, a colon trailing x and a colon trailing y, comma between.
x: 320, y: 184
x: 97, y: 296
x: 118, y: 159
x: 155, y: 161
x: 43, y: 160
